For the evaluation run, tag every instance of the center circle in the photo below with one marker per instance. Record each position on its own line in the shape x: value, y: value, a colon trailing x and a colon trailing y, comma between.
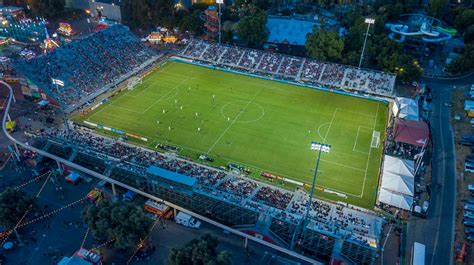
x: 242, y: 111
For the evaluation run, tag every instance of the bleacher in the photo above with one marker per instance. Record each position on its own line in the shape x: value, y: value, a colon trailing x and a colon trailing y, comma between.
x: 329, y: 75
x: 86, y: 65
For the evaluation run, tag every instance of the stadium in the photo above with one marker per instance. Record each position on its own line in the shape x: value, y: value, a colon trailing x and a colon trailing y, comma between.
x: 228, y: 133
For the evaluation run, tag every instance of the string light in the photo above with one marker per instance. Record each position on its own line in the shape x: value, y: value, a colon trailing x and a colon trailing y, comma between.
x: 140, y: 243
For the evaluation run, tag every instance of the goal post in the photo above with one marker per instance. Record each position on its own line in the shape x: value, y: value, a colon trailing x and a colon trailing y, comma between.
x: 375, y: 139
x: 132, y: 82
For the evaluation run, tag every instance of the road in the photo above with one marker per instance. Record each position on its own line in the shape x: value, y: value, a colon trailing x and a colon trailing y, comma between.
x: 437, y: 230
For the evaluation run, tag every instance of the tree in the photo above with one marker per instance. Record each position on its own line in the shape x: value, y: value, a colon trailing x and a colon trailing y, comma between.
x: 192, y: 23
x: 324, y: 45
x: 13, y: 205
x: 391, y: 58
x: 464, y: 19
x: 437, y: 8
x: 227, y: 32
x: 125, y: 223
x: 147, y: 13
x: 48, y: 8
x: 469, y: 35
x: 252, y: 29
x: 199, y: 252
x: 464, y: 63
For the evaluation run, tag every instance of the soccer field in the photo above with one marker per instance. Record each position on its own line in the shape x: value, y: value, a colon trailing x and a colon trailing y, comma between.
x: 261, y: 124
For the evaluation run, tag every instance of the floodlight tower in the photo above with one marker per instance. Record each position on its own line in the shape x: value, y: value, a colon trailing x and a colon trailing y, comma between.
x: 368, y: 21
x: 219, y: 3
x: 320, y: 147
x: 60, y: 83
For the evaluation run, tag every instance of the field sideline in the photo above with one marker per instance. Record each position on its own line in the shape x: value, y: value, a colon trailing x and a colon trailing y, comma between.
x: 262, y: 124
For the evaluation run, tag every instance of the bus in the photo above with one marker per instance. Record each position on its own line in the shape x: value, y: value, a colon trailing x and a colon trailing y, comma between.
x: 418, y: 254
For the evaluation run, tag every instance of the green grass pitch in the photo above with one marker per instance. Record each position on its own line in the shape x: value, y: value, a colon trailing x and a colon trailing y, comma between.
x: 262, y: 124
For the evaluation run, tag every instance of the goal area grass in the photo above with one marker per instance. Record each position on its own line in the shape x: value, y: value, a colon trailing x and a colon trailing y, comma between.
x: 260, y: 124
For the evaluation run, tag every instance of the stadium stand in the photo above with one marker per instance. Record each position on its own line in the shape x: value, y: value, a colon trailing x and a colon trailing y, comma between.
x: 87, y: 65
x: 339, y: 220
x: 333, y: 76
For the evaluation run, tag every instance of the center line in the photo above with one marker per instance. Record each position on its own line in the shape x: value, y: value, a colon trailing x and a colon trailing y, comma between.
x: 233, y: 121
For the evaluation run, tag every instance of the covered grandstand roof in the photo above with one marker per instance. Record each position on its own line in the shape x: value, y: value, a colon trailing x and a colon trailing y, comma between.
x: 398, y: 200
x: 405, y: 108
x: 291, y: 31
x: 411, y: 132
x: 171, y: 176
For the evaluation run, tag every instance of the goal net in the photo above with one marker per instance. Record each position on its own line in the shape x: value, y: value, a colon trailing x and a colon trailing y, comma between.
x: 133, y: 82
x: 375, y: 139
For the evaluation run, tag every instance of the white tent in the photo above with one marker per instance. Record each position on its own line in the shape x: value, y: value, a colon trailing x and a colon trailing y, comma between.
x: 405, y: 108
x: 399, y: 166
x: 398, y: 200
x: 397, y: 183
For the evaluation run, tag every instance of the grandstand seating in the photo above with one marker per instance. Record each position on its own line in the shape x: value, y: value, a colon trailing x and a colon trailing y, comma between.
x: 349, y: 222
x: 334, y: 76
x: 87, y: 64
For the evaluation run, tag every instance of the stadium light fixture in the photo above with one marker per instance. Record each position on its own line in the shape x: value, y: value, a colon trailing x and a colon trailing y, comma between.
x: 60, y: 83
x: 219, y: 3
x: 321, y: 148
x: 368, y: 21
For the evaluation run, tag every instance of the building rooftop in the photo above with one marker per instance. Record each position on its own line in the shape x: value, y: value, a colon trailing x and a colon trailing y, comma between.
x: 171, y: 176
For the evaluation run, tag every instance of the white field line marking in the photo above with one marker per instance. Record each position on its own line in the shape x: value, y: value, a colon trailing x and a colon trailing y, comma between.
x: 342, y: 165
x: 127, y: 109
x: 355, y: 142
x: 370, y: 150
x: 319, y: 129
x: 153, y: 82
x: 359, y: 113
x: 233, y: 121
x: 164, y: 96
x: 330, y: 124
x: 232, y: 160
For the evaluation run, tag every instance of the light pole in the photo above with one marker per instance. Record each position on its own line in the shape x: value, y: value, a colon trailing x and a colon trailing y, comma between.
x: 368, y: 21
x: 219, y: 3
x: 60, y: 83
x: 320, y: 147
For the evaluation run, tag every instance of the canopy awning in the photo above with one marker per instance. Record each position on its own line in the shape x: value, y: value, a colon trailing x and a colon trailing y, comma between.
x: 398, y: 183
x: 411, y: 132
x: 405, y: 108
x: 399, y: 166
x: 397, y: 200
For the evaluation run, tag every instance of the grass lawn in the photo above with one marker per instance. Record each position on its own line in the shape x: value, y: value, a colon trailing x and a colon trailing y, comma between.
x: 261, y: 124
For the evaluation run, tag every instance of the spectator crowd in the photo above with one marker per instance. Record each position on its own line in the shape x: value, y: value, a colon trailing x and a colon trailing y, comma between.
x: 333, y: 76
x: 330, y: 217
x: 86, y: 65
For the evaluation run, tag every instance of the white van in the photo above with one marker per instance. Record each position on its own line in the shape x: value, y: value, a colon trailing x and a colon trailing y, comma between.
x: 187, y: 220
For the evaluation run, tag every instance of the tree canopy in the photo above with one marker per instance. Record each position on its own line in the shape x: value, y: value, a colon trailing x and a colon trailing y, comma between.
x: 125, y: 223
x: 48, y: 8
x: 465, y: 62
x: 324, y: 45
x: 199, y: 251
x: 252, y: 27
x: 148, y: 13
x: 437, y: 8
x: 13, y: 205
